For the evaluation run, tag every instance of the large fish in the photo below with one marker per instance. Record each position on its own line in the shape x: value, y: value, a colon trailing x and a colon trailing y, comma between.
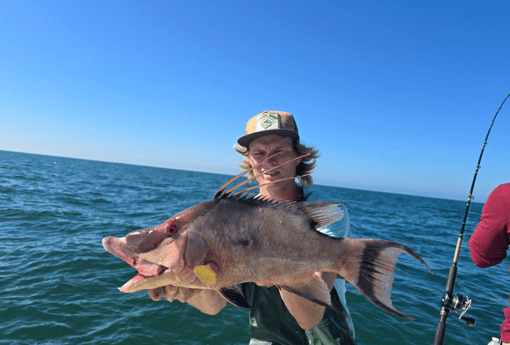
x: 237, y: 237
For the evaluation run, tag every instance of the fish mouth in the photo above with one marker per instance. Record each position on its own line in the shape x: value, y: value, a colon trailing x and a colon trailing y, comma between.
x: 146, y: 270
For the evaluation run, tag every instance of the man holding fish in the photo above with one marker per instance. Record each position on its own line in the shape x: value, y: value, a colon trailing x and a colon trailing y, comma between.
x: 279, y: 245
x: 279, y: 315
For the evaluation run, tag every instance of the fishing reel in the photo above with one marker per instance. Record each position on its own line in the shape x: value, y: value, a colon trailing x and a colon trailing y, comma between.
x: 458, y: 303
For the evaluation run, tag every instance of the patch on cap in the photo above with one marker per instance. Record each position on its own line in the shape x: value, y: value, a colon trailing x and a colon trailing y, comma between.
x: 268, y: 121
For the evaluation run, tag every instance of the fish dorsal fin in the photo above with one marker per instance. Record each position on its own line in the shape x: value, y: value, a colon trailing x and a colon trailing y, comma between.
x: 223, y: 191
x: 322, y: 212
x: 258, y: 199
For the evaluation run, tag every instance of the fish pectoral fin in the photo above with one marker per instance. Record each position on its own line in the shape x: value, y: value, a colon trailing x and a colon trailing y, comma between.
x: 315, y: 291
x: 235, y: 296
x: 206, y: 274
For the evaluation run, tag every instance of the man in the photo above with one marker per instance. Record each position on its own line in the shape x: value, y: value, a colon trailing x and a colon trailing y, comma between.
x: 489, y: 242
x: 279, y: 316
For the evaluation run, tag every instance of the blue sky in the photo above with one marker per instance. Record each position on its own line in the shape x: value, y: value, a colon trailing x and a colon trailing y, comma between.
x: 397, y: 95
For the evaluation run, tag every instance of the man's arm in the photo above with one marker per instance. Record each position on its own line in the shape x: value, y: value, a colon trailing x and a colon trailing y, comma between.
x: 488, y: 243
x: 307, y: 313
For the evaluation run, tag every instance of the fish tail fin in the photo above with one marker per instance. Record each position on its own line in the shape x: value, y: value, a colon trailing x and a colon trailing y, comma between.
x: 369, y: 266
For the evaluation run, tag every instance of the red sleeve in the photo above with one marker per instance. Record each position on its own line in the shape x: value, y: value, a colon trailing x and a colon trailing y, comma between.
x: 489, y: 241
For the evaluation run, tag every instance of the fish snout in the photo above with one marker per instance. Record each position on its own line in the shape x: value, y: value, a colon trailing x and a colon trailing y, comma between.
x: 117, y: 246
x: 142, y: 241
x: 113, y: 244
x: 106, y: 242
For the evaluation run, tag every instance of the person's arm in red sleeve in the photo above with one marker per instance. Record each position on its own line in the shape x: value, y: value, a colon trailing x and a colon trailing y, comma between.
x: 489, y: 243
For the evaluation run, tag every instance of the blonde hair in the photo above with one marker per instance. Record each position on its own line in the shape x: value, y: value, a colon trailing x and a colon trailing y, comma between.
x: 305, y: 167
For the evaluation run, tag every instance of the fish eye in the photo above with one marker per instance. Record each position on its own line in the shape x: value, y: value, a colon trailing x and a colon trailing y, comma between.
x: 171, y: 228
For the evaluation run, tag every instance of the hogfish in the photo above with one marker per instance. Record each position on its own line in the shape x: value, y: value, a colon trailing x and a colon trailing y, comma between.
x: 239, y: 237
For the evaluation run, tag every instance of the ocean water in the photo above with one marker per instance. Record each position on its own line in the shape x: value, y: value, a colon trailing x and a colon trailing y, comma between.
x: 59, y: 286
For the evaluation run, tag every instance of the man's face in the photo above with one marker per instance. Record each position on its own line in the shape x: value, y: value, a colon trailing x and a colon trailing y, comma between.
x: 266, y: 146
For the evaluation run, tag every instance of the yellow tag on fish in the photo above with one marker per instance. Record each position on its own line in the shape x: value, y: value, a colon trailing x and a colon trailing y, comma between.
x: 205, y: 274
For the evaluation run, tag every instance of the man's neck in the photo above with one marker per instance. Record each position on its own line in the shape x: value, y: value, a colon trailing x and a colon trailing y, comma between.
x: 291, y: 193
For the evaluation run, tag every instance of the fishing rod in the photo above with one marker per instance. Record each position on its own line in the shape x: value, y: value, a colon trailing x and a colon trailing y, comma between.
x: 459, y: 303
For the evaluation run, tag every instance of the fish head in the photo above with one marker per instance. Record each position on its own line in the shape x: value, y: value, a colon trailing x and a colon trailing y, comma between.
x: 163, y: 255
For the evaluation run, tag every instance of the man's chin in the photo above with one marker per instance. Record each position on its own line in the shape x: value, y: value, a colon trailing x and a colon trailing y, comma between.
x: 277, y: 186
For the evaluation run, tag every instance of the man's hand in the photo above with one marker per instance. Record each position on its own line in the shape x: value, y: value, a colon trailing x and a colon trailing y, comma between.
x: 207, y: 301
x: 171, y: 293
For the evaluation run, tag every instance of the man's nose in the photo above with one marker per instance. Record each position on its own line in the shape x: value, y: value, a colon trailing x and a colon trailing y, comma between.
x: 273, y: 161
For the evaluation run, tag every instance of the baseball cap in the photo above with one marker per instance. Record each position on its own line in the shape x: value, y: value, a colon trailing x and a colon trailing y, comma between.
x: 269, y: 122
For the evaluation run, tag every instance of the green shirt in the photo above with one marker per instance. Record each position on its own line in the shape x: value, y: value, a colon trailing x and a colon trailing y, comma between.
x: 271, y: 322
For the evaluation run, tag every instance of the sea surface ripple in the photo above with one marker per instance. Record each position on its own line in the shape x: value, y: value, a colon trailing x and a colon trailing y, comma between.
x: 59, y: 286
